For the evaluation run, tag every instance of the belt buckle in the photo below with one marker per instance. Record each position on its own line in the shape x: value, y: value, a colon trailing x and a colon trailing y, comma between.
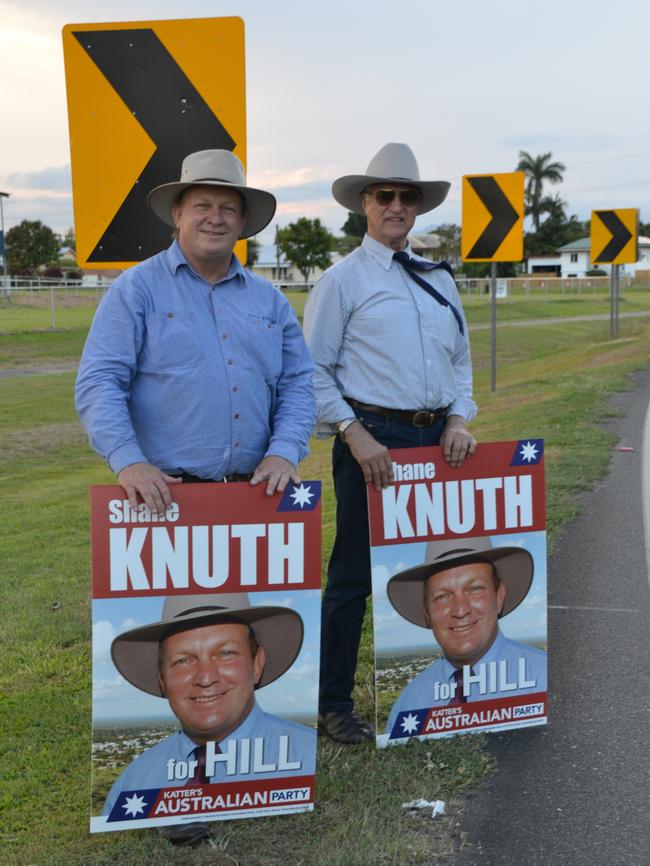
x: 422, y: 418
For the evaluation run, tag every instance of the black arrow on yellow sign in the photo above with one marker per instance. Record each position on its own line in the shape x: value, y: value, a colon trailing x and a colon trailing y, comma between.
x: 503, y: 214
x: 174, y: 115
x: 619, y: 232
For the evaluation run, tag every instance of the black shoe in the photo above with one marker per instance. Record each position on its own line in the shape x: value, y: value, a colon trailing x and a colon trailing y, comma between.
x: 185, y: 834
x: 346, y: 727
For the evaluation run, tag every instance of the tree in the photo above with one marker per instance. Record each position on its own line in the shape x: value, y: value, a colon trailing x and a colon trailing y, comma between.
x: 449, y: 250
x: 306, y: 244
x: 354, y: 228
x: 253, y: 249
x: 31, y: 245
x: 537, y: 170
x: 556, y: 230
x: 68, y: 240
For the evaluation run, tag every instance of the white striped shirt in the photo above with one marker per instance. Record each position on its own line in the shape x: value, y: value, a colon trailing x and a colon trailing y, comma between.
x: 377, y: 337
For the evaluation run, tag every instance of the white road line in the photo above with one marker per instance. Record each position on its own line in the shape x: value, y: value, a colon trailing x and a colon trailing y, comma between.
x: 586, y: 607
x: 645, y: 484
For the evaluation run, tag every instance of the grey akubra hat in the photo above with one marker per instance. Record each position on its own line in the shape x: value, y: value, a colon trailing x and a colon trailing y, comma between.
x: 278, y: 629
x: 394, y: 163
x: 513, y: 567
x: 215, y: 168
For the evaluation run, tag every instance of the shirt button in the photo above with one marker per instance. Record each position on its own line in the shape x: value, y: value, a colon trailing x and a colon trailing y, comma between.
x: 235, y: 388
x: 236, y: 444
x: 225, y: 336
x: 230, y: 361
x: 170, y: 315
x: 236, y: 416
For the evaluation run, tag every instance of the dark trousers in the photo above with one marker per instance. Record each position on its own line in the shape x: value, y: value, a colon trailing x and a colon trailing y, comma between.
x: 348, y: 574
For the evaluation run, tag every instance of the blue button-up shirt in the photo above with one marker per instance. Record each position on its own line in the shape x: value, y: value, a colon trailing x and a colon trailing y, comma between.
x: 379, y: 338
x: 419, y: 693
x: 151, y: 769
x: 195, y: 377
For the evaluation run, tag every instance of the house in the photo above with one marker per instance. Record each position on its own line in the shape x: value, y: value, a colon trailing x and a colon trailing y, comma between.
x: 549, y: 265
x: 427, y: 245
x: 575, y: 260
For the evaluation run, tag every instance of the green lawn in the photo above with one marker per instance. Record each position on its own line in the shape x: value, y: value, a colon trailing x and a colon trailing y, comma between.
x: 553, y: 382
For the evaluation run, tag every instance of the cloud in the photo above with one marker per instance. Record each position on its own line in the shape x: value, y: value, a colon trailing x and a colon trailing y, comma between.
x: 50, y: 178
x: 103, y: 634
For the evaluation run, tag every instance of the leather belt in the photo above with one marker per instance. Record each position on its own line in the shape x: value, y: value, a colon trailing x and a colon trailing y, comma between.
x: 194, y: 479
x: 418, y: 417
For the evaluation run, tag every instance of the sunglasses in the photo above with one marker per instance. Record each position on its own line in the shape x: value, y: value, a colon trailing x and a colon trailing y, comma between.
x: 408, y: 197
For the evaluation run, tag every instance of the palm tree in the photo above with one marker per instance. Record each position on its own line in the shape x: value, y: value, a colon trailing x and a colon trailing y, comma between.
x: 537, y: 170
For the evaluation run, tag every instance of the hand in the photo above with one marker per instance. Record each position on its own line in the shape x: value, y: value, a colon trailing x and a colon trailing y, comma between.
x: 150, y: 484
x: 373, y: 457
x: 277, y: 471
x: 456, y: 440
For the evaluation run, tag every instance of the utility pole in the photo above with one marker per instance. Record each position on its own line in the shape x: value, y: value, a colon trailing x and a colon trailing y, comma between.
x: 5, y: 267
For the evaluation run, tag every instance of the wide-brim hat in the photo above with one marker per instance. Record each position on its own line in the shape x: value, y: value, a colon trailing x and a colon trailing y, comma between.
x: 278, y: 629
x: 513, y: 566
x: 215, y: 168
x: 394, y: 163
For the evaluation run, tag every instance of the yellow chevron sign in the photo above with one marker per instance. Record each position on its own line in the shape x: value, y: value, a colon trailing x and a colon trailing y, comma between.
x: 615, y: 236
x: 142, y: 96
x: 493, y: 217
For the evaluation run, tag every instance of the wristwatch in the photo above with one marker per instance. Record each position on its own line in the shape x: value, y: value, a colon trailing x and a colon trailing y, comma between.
x: 343, y: 425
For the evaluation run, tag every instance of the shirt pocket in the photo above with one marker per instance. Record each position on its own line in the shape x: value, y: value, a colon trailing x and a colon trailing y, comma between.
x: 265, y: 346
x: 172, y: 340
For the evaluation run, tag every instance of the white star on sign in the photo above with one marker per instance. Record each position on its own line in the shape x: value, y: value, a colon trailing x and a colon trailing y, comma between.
x: 528, y: 451
x: 410, y: 723
x: 134, y: 805
x: 301, y: 495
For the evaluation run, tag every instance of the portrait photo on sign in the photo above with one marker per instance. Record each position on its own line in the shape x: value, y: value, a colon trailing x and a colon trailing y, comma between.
x: 251, y: 693
x: 460, y: 635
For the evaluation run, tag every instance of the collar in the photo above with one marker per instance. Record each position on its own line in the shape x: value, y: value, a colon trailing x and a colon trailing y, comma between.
x: 380, y: 253
x: 494, y: 653
x: 176, y: 259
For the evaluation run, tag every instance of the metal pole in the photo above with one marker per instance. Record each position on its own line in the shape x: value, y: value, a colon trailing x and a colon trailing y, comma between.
x: 53, y: 308
x: 617, y: 284
x: 493, y: 311
x: 5, y: 268
x: 612, y: 302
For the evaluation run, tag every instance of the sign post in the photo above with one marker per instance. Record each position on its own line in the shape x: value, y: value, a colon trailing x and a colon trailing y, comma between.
x: 493, y: 229
x: 141, y: 97
x: 614, y: 241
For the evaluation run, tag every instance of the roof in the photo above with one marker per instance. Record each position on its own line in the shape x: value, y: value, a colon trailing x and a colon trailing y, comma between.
x: 584, y: 245
x: 429, y: 241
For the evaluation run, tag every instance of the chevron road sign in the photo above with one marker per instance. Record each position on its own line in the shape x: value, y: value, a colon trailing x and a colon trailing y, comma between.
x: 493, y: 217
x: 615, y: 236
x: 141, y: 96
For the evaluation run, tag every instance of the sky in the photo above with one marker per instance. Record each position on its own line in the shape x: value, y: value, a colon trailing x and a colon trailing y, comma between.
x: 467, y: 85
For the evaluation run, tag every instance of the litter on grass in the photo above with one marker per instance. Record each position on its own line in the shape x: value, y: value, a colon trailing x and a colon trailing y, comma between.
x: 437, y: 806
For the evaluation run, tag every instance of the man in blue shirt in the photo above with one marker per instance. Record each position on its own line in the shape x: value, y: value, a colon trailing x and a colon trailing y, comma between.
x: 194, y: 368
x: 461, y: 591
x: 207, y: 656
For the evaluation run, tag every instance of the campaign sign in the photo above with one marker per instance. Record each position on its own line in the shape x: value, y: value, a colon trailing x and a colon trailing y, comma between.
x: 206, y: 626
x: 459, y: 592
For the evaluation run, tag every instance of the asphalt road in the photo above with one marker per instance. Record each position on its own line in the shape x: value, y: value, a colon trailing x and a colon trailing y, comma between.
x: 578, y: 791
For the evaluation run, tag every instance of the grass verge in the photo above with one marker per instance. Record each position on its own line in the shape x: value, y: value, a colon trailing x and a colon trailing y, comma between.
x: 552, y: 382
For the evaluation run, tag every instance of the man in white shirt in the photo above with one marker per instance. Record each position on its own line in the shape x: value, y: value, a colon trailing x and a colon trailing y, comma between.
x: 393, y: 370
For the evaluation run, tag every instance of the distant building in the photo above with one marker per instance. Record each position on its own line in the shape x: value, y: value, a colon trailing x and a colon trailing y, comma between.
x: 575, y: 260
x: 427, y: 245
x: 550, y: 265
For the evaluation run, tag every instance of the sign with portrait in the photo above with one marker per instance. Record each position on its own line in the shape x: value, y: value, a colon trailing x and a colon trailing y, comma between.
x: 459, y: 592
x: 206, y: 626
